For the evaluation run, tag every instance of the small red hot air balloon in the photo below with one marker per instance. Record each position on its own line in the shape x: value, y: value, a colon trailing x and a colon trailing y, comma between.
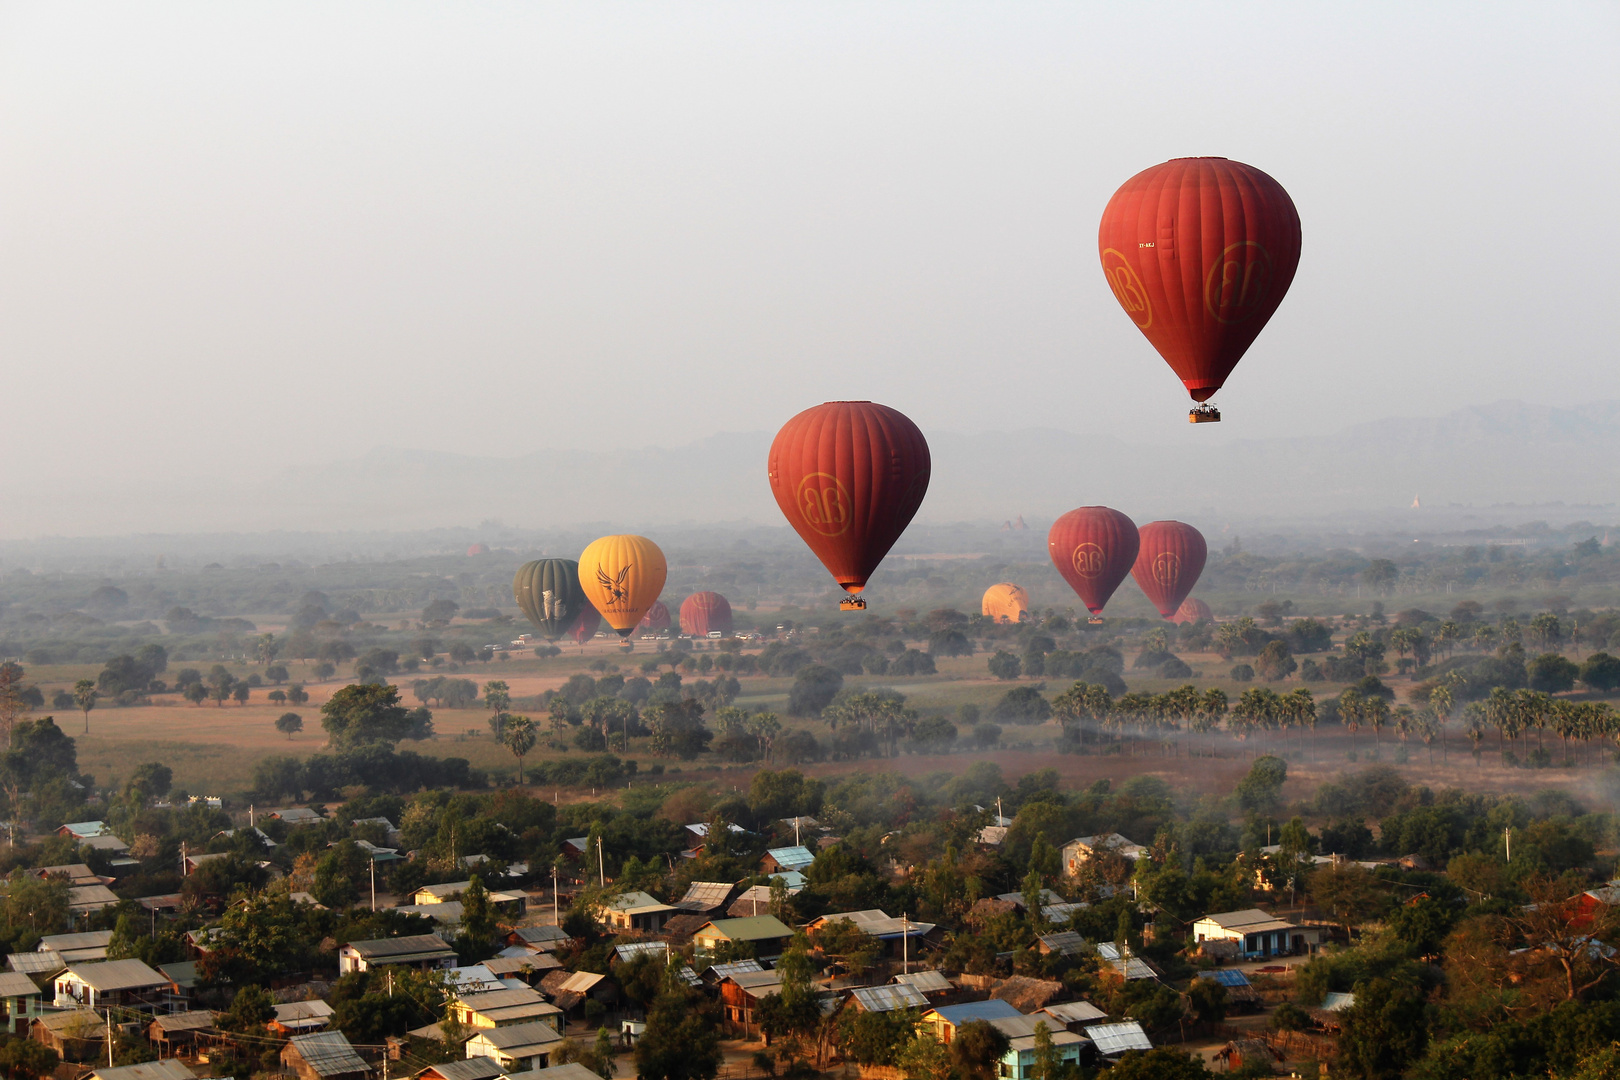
x: 1199, y: 253
x: 849, y: 476
x: 656, y: 621
x: 1192, y: 610
x: 585, y: 629
x: 1169, y: 562
x: 704, y: 613
x: 1092, y: 548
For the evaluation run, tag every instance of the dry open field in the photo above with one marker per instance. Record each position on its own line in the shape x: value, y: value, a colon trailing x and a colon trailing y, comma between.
x: 213, y: 749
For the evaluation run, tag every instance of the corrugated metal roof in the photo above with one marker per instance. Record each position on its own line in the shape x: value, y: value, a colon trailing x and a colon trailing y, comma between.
x: 752, y: 928
x: 473, y: 1068
x: 1225, y: 976
x: 704, y: 895
x: 1064, y: 942
x: 195, y: 1020
x: 94, y: 939
x: 580, y: 981
x: 792, y: 858
x: 1074, y: 1012
x: 641, y: 948
x: 400, y: 946
x: 117, y: 975
x: 889, y: 998
x: 328, y: 1053
x: 1114, y: 1039
x: 1337, y: 1002
x: 146, y: 1070
x: 535, y: 1033
x: 35, y: 963
x: 976, y: 1010
x: 723, y: 971
x: 16, y: 984
x: 928, y: 982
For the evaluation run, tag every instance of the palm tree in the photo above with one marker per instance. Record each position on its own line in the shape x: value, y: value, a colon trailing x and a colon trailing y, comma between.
x: 1351, y: 710
x: 518, y: 736
x: 84, y: 696
x: 1376, y: 709
x: 1474, y: 718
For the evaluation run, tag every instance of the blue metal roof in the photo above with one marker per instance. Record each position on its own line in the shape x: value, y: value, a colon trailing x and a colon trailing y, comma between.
x: 994, y: 1009
x: 1226, y: 977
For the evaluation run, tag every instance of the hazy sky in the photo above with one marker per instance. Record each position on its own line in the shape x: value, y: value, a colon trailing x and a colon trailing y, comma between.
x: 238, y: 237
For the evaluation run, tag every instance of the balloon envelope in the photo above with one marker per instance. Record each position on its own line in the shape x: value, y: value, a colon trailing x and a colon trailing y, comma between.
x: 1199, y: 253
x: 656, y: 621
x: 584, y: 627
x: 548, y: 592
x: 1093, y: 548
x: 849, y: 476
x: 1167, y: 566
x: 705, y: 612
x: 1193, y: 610
x: 622, y: 577
x: 1005, y: 603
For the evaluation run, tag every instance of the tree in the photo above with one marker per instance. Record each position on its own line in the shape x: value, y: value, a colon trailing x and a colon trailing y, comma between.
x: 296, y: 694
x: 25, y: 1059
x: 977, y: 1050
x: 1381, y: 575
x: 1208, y: 1001
x: 14, y: 698
x: 1005, y: 666
x: 1551, y: 673
x: 519, y: 737
x: 1048, y: 1063
x: 1160, y: 1063
x: 289, y: 724
x: 362, y: 714
x: 1275, y: 662
x: 497, y: 699
x: 241, y: 692
x: 478, y: 924
x: 1260, y: 792
x: 149, y: 781
x: 1383, y: 1032
x: 84, y: 696
x: 680, y: 1041
x: 813, y: 689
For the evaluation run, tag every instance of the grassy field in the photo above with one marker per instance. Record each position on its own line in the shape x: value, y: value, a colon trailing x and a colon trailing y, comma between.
x: 213, y: 749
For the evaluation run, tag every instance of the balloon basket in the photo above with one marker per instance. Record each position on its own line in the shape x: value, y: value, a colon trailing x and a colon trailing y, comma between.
x: 852, y: 603
x: 1095, y: 620
x: 1204, y: 414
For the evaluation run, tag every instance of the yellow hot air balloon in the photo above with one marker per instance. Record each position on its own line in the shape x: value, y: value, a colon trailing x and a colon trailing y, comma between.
x: 1005, y: 603
x: 622, y: 577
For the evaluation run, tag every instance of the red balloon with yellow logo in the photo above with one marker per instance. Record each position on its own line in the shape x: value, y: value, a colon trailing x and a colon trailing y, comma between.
x: 1167, y: 566
x: 1093, y: 548
x: 849, y: 476
x: 1199, y: 252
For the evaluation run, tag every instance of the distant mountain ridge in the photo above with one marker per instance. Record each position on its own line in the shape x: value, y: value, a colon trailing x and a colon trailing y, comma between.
x: 1482, y: 457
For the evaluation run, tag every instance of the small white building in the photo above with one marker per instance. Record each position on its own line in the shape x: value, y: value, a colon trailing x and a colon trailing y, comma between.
x: 1257, y: 934
x: 519, y: 1047
x: 637, y: 911
x: 125, y: 983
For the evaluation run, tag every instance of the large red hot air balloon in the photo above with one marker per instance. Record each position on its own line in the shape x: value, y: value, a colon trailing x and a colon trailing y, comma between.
x: 849, y: 476
x: 656, y: 621
x: 1092, y: 548
x: 1199, y: 253
x: 1192, y: 610
x: 1169, y: 562
x: 705, y: 612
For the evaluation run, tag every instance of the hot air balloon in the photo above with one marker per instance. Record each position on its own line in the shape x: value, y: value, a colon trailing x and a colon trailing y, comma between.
x: 1193, y: 610
x: 849, y: 476
x: 1199, y: 253
x: 705, y: 612
x: 1092, y: 548
x: 656, y: 621
x: 1167, y: 566
x: 622, y: 577
x: 1005, y: 603
x: 584, y: 627
x: 548, y: 592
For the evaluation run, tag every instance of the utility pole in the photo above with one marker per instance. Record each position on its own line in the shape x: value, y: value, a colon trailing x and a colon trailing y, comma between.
x: 109, y: 1038
x: 1507, y: 838
x: 182, y: 858
x: 796, y: 841
x: 373, y: 881
x: 601, y: 867
x: 555, y: 918
x: 905, y: 944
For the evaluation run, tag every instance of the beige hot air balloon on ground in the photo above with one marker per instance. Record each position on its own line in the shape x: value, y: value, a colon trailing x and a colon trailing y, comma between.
x: 1005, y: 603
x: 622, y: 577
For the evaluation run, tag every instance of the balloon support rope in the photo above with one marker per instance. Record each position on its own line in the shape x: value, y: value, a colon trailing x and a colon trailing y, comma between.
x: 852, y: 603
x: 1204, y: 414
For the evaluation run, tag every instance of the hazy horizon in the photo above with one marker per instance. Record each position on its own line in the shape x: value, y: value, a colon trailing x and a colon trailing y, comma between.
x: 243, y: 242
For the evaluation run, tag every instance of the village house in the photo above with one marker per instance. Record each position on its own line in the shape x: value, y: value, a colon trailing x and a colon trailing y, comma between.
x: 704, y: 897
x: 297, y: 815
x: 78, y: 948
x: 127, y: 984
x: 323, y: 1055
x: 508, y: 903
x: 886, y: 998
x: 876, y: 923
x: 503, y: 1008
x: 540, y: 938
x: 519, y: 1048
x: 1076, y: 853
x: 932, y: 985
x: 300, y: 1018
x: 741, y: 993
x: 478, y: 1068
x: 1019, y: 1061
x: 1258, y: 935
x: 765, y: 932
x: 779, y: 860
x: 1112, y: 1040
x: 424, y: 951
x: 945, y: 1019
x: 20, y: 997
x: 569, y: 990
x: 75, y: 1034
x: 1071, y: 1015
x: 146, y: 1070
x: 173, y: 1032
x: 636, y: 911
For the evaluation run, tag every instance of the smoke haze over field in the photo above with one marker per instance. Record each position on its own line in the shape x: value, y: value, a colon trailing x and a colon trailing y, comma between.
x: 1502, y: 464
x: 244, y: 243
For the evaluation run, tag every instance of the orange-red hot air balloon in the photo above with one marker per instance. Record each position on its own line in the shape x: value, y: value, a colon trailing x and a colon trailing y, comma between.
x: 849, y: 476
x: 1193, y: 610
x: 704, y: 613
x: 1199, y: 253
x: 1167, y: 566
x: 1093, y: 548
x: 656, y: 621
